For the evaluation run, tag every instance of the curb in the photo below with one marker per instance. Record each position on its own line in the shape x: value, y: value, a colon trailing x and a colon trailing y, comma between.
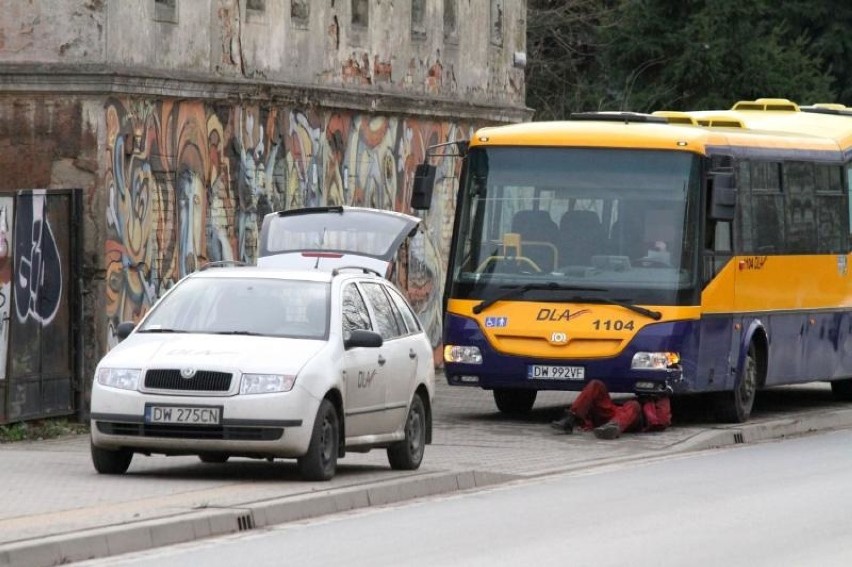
x: 181, y: 528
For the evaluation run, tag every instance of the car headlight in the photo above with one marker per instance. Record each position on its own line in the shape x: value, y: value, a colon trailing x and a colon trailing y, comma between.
x: 462, y: 354
x: 266, y: 383
x: 654, y: 360
x: 123, y: 378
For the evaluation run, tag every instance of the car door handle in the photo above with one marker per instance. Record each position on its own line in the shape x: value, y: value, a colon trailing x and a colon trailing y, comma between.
x: 382, y: 360
x: 412, y: 354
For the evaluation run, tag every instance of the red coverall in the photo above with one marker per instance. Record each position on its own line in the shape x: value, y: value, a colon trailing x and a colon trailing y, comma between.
x: 595, y: 408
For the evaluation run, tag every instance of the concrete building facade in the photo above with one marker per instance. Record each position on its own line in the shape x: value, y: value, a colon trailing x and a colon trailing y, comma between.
x: 173, y: 126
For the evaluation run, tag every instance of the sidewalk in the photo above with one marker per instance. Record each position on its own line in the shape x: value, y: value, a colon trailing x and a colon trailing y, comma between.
x: 57, y: 509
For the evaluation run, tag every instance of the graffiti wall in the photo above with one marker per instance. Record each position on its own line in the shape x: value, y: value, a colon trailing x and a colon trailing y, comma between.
x: 188, y: 183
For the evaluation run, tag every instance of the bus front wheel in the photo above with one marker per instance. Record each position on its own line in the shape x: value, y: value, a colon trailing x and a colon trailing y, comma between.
x: 735, y: 406
x: 514, y: 402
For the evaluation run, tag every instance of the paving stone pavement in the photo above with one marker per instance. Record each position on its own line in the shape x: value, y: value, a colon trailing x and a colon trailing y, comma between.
x: 49, y: 488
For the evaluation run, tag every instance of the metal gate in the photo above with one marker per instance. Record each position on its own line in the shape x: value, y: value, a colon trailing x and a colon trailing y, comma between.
x: 39, y: 304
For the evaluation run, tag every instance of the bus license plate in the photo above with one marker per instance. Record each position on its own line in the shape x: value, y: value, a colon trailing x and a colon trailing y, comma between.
x: 183, y: 415
x: 545, y: 372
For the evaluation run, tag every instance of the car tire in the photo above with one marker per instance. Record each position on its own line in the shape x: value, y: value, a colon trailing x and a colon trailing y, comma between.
x: 108, y: 461
x: 407, y: 454
x: 213, y: 458
x: 320, y: 462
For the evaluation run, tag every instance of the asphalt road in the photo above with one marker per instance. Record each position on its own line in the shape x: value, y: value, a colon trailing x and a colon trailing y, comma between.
x: 775, y: 504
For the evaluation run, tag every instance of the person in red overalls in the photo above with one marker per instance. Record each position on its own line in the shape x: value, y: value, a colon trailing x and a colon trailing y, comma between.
x: 594, y: 409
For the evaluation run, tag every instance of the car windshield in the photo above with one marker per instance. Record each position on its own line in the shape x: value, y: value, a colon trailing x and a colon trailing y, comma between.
x: 243, y: 306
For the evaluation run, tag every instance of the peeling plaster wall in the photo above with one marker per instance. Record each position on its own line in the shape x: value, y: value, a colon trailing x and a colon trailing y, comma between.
x: 222, y: 38
x: 49, y: 31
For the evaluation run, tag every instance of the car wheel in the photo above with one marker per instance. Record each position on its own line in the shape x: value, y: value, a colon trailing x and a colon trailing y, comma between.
x: 514, y: 402
x: 213, y: 458
x: 408, y: 453
x: 320, y: 462
x: 109, y: 461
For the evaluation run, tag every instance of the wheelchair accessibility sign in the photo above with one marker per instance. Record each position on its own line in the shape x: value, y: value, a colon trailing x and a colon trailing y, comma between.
x: 496, y: 322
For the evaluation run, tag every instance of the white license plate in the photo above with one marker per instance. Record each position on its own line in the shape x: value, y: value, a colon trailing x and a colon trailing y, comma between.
x: 183, y: 415
x: 545, y: 372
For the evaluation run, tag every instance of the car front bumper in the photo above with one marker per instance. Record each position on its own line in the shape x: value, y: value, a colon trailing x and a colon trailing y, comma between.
x: 260, y: 425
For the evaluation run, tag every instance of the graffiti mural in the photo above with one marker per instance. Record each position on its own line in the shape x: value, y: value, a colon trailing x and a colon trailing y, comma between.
x: 37, y: 285
x: 7, y: 213
x: 188, y: 183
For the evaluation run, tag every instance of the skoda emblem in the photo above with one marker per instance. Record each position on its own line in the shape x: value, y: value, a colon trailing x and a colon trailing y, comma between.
x: 187, y: 373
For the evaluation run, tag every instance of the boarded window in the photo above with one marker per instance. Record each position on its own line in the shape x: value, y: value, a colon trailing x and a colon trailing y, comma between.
x: 165, y: 11
x: 360, y: 13
x: 497, y: 22
x: 418, y: 19
x: 300, y: 13
x: 450, y: 26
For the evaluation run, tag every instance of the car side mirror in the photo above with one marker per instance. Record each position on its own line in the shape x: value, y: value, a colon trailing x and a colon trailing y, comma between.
x: 124, y: 329
x: 424, y: 183
x: 362, y: 338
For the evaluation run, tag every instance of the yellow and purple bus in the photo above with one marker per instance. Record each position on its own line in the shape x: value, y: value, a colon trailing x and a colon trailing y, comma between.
x: 655, y: 253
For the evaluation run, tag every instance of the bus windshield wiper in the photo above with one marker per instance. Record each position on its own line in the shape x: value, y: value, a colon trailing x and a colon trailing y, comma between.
x: 518, y: 291
x: 655, y: 315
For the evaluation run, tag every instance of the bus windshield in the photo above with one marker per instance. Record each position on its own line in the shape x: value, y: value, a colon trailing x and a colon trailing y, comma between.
x: 622, y: 223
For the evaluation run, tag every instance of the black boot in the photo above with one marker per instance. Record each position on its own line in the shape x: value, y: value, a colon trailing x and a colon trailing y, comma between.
x: 609, y: 430
x: 566, y: 424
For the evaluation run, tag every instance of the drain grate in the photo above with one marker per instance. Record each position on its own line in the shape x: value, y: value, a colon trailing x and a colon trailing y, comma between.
x: 738, y: 437
x: 245, y: 522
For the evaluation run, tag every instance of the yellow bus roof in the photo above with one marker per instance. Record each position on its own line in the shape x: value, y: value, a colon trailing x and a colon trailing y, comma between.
x: 643, y: 135
x: 829, y: 120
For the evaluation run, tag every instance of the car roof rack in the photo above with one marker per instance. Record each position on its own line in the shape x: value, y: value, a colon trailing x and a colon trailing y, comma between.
x: 364, y: 269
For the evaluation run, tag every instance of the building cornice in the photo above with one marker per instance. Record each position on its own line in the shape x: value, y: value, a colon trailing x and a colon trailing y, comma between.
x: 99, y: 80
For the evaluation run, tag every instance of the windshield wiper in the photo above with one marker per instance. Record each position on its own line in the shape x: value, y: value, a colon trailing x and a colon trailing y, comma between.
x: 246, y: 333
x: 518, y: 291
x: 161, y: 330
x: 655, y: 315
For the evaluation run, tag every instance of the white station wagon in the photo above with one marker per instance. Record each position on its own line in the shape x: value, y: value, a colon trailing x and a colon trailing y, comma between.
x: 308, y: 355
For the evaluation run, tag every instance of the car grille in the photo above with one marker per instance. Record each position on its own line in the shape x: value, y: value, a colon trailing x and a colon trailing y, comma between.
x: 224, y: 433
x: 202, y: 381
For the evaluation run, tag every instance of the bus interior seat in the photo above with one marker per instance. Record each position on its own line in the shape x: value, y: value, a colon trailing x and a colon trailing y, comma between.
x: 537, y: 226
x: 581, y: 237
x: 627, y: 238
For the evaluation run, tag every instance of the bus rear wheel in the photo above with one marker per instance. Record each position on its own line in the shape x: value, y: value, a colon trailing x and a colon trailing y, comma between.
x: 735, y: 406
x: 514, y: 402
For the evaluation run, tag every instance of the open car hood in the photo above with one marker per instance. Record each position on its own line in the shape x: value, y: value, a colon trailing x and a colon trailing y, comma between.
x: 327, y: 238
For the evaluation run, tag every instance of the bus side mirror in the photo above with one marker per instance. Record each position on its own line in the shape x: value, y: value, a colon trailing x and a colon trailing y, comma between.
x: 424, y: 182
x: 723, y: 196
x: 124, y: 329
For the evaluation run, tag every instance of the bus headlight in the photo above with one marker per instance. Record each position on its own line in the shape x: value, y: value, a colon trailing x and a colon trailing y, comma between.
x: 654, y: 360
x: 462, y: 354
